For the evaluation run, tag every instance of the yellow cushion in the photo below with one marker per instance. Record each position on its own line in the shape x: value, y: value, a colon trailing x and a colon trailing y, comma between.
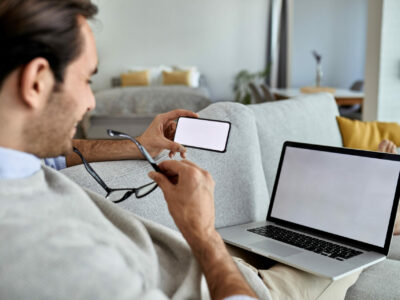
x: 176, y: 77
x: 367, y: 135
x: 135, y: 78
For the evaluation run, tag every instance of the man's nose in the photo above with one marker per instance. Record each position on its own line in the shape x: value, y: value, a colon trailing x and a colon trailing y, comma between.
x: 91, y: 102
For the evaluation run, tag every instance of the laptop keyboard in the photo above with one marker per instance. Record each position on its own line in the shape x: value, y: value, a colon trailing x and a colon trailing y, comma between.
x: 306, y: 242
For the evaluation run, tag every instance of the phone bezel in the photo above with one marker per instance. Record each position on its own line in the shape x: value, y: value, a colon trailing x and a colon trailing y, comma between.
x: 205, y: 119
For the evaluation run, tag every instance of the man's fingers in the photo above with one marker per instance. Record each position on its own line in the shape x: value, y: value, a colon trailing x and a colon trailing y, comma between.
x: 393, y: 148
x: 170, y: 130
x: 171, y: 167
x: 172, y: 115
x: 190, y: 163
x: 387, y: 146
x: 161, y: 180
x: 172, y: 146
x: 383, y: 146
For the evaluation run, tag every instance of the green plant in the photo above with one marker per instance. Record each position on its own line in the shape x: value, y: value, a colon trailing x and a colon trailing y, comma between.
x: 241, y: 84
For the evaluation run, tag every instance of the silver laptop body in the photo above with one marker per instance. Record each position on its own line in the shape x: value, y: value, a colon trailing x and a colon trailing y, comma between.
x: 332, y: 210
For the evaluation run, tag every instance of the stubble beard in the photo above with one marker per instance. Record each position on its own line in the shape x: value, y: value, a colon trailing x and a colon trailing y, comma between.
x: 49, y: 135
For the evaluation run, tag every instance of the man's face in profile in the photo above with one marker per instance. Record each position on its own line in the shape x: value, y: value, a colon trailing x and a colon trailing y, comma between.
x: 67, y: 105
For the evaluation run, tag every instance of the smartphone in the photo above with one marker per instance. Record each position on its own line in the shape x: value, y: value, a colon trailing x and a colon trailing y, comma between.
x: 202, y: 134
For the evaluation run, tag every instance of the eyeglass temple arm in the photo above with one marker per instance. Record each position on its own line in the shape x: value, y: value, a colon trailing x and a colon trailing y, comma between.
x: 91, y: 171
x: 141, y: 148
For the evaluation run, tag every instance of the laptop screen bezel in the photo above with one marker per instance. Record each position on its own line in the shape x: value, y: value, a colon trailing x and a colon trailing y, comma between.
x: 379, y: 155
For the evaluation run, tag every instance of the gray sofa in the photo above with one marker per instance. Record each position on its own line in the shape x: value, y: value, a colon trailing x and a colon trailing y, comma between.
x: 244, y: 175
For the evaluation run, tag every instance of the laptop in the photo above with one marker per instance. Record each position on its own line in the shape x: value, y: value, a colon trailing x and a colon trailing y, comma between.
x: 331, y: 213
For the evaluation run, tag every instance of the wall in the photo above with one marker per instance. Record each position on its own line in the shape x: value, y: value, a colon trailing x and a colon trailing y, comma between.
x: 389, y: 73
x: 336, y: 29
x: 382, y: 101
x: 220, y: 37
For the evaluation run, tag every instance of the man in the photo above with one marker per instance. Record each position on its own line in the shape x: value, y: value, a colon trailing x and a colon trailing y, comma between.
x: 62, y: 242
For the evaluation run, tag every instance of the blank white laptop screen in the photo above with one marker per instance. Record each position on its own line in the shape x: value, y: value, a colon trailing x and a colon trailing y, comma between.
x: 347, y: 195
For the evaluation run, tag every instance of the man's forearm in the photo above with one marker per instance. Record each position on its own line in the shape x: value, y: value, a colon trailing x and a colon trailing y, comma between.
x: 103, y: 150
x: 223, y: 277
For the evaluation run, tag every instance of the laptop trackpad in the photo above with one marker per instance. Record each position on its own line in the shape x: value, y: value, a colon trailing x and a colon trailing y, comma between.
x: 275, y: 248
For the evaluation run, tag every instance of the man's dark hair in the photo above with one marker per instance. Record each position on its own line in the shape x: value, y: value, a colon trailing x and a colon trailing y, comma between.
x: 41, y: 28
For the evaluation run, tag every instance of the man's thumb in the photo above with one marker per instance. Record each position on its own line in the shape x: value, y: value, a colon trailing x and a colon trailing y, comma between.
x: 159, y: 178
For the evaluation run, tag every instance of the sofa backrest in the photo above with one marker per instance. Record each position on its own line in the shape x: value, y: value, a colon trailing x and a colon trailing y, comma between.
x: 241, y: 193
x: 308, y: 119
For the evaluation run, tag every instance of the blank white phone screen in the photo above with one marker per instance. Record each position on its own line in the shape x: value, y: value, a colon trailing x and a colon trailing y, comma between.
x: 204, y: 134
x: 347, y: 195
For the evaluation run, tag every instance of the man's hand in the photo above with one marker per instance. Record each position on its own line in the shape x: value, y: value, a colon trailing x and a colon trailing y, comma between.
x: 387, y: 146
x: 158, y: 136
x: 155, y: 139
x: 189, y: 193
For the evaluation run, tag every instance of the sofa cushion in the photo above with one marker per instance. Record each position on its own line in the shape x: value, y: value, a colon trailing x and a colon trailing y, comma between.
x: 379, y: 281
x: 308, y: 119
x: 241, y: 194
x: 394, y: 251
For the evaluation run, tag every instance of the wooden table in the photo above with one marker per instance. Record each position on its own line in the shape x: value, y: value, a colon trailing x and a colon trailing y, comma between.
x: 342, y: 96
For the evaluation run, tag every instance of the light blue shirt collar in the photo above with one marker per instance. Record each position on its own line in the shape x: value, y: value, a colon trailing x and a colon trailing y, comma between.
x: 16, y: 164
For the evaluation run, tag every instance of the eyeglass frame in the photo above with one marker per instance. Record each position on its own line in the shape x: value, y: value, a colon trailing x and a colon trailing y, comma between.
x: 109, y: 190
x: 142, y: 149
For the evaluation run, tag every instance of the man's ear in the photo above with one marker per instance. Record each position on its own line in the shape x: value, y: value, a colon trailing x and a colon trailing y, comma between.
x: 36, y: 82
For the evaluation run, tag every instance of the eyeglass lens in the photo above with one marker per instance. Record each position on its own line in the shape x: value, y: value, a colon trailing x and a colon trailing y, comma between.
x: 117, y: 195
x: 146, y: 189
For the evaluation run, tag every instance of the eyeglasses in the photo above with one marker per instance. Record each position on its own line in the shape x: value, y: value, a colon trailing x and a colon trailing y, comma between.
x: 146, y: 154
x: 118, y: 195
